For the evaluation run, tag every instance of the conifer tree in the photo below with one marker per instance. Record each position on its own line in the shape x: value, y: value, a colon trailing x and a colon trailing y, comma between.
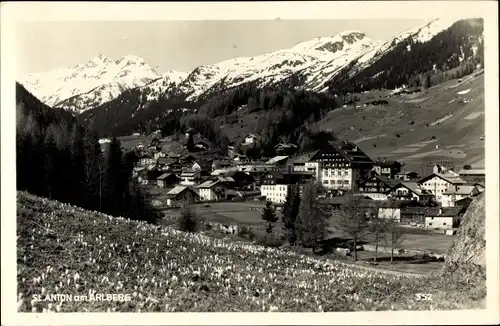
x: 269, y: 216
x: 290, y: 212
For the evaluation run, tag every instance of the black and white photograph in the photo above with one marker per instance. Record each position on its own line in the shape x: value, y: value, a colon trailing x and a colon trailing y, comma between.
x: 252, y: 165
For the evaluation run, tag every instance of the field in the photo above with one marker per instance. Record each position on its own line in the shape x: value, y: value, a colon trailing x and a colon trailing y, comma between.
x: 65, y: 249
x: 403, y: 128
x: 248, y: 214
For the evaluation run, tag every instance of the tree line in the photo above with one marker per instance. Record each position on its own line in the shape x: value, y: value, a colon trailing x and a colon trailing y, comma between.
x: 57, y: 158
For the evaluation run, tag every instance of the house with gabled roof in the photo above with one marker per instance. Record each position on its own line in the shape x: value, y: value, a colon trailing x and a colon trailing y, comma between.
x: 251, y: 138
x: 215, y: 188
x: 376, y: 187
x: 278, y: 161
x: 285, y: 149
x: 298, y: 162
x: 409, y: 190
x: 458, y: 192
x: 181, y: 194
x: 473, y: 175
x: 406, y: 176
x: 444, y: 217
x: 341, y: 165
x: 167, y: 180
x: 387, y: 168
x: 438, y: 183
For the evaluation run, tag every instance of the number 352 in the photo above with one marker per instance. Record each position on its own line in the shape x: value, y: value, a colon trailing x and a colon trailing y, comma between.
x: 423, y: 297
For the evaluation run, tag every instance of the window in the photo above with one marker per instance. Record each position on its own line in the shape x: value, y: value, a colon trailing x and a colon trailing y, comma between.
x: 444, y: 223
x: 430, y: 224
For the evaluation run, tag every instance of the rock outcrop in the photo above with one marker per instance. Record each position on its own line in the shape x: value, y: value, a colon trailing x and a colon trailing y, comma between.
x: 468, y: 250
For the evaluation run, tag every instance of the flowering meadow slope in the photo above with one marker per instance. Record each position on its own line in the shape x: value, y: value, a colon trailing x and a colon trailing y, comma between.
x: 63, y: 249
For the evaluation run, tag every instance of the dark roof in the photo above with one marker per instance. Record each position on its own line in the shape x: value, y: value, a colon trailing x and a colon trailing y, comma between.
x: 349, y: 151
x: 285, y: 178
x: 387, y: 164
x: 444, y: 176
x: 389, y: 182
x: 406, y: 173
x: 433, y: 211
x: 166, y: 175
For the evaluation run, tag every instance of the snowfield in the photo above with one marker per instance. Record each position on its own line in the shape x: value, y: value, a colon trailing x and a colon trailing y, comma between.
x: 317, y: 61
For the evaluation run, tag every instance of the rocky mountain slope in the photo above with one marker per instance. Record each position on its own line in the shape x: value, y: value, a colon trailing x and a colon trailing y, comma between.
x: 100, y: 80
x: 118, y: 96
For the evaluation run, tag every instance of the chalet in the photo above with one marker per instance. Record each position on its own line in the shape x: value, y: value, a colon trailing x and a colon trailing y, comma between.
x: 457, y: 192
x: 444, y: 217
x: 279, y: 161
x: 336, y: 203
x: 190, y: 178
x: 409, y: 191
x: 164, y: 163
x: 167, y: 180
x: 216, y: 188
x: 285, y: 149
x: 376, y: 187
x: 415, y: 216
x: 438, y: 183
x: 218, y: 172
x: 387, y: 168
x: 444, y: 169
x: 241, y: 178
x: 258, y: 170
x: 274, y: 185
x: 251, y: 139
x: 146, y: 160
x: 392, y: 208
x: 473, y: 175
x: 341, y: 165
x: 406, y: 176
x: 195, y: 167
x: 158, y: 155
x: 147, y: 176
x: 181, y: 194
x: 298, y: 162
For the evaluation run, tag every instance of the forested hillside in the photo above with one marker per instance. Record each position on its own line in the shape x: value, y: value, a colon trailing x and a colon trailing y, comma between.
x: 415, y: 63
x: 57, y: 158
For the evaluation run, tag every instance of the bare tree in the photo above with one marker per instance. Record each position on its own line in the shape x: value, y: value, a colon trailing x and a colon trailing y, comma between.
x: 394, y: 232
x: 352, y: 220
x: 310, y: 225
x: 377, y: 228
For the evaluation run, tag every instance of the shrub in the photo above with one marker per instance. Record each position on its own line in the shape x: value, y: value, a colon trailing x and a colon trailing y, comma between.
x: 246, y: 232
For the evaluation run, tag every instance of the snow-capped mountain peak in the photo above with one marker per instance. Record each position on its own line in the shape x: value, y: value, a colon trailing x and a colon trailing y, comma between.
x: 95, y: 82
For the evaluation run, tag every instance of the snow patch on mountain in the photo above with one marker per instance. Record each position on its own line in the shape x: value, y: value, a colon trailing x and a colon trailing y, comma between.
x: 95, y: 82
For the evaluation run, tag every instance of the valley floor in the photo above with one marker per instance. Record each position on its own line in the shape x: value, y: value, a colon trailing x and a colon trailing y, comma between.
x: 65, y: 249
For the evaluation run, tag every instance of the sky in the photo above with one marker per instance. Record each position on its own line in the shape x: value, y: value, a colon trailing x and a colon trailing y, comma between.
x: 177, y: 45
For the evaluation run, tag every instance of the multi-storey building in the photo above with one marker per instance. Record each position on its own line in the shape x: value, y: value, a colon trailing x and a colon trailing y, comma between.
x: 274, y: 185
x: 341, y: 166
x: 438, y: 183
x: 376, y: 187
